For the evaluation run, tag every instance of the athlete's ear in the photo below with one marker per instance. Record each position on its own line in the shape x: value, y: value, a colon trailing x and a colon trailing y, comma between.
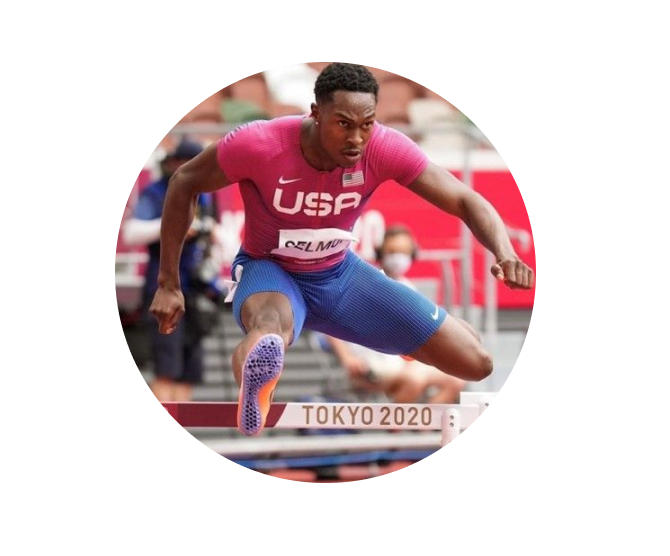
x: 315, y: 111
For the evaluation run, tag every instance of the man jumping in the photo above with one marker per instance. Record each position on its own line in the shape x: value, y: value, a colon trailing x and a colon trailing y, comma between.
x: 304, y: 182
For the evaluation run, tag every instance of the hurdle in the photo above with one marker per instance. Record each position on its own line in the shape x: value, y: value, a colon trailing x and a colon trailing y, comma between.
x: 450, y: 419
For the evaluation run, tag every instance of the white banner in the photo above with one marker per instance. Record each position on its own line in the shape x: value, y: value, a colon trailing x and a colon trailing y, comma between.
x: 306, y: 244
x: 372, y: 416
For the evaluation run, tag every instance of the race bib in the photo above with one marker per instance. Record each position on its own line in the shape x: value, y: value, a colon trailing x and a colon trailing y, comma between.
x: 306, y: 244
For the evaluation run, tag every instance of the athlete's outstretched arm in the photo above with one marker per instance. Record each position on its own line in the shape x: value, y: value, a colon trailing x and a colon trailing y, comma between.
x: 202, y: 174
x: 442, y: 189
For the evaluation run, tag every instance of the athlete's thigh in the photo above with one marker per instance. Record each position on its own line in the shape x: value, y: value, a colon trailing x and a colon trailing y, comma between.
x: 261, y: 283
x: 382, y: 314
x: 455, y: 350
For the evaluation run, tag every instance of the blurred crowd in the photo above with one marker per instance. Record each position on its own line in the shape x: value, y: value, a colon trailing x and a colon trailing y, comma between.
x: 287, y: 90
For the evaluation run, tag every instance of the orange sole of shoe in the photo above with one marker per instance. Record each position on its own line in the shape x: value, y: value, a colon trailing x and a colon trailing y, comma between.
x: 260, y: 375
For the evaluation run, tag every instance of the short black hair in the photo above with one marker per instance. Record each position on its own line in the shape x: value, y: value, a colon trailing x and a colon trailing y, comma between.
x: 344, y: 77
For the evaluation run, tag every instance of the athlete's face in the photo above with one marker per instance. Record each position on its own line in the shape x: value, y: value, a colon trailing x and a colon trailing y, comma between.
x: 345, y: 126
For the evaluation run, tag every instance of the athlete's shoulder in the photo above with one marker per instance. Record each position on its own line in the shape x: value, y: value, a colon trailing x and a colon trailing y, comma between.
x: 393, y: 155
x: 266, y: 133
x: 387, y: 136
x: 253, y: 144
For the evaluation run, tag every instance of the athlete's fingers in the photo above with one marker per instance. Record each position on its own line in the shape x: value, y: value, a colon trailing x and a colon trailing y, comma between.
x: 165, y: 327
x: 524, y: 276
x: 520, y: 271
x: 514, y: 273
x: 498, y: 272
x: 510, y: 273
x: 168, y: 323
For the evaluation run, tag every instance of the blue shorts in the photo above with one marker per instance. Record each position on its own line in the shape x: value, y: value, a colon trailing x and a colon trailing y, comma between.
x: 352, y: 301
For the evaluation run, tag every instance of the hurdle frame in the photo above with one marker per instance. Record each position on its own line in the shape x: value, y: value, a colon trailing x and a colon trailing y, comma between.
x: 450, y: 419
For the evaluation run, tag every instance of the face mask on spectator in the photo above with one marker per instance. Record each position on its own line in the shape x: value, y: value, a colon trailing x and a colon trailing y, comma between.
x: 396, y: 264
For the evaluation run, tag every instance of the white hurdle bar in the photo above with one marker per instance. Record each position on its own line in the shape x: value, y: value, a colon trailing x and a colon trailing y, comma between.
x: 451, y: 420
x: 480, y: 399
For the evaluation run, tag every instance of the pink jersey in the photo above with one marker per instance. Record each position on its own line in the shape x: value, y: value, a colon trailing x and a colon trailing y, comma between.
x: 299, y: 216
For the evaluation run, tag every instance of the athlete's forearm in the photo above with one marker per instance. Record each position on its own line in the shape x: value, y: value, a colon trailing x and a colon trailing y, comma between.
x: 178, y: 213
x: 487, y: 226
x: 200, y: 175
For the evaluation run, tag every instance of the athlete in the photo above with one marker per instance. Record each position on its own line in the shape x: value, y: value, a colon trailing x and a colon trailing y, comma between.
x: 304, y: 181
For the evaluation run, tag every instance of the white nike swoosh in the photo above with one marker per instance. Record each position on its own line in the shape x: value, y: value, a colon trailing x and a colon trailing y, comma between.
x: 282, y: 181
x: 436, y: 313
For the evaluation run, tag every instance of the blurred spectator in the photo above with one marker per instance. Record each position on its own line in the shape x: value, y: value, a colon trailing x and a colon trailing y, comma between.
x: 433, y: 121
x: 177, y: 358
x: 396, y: 93
x: 401, y: 380
x: 437, y: 122
x: 292, y: 86
x: 209, y: 111
x: 246, y: 100
x: 318, y: 66
x: 262, y: 96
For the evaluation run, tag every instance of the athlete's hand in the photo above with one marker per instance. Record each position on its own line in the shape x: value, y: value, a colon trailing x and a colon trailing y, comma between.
x: 514, y: 273
x: 168, y: 308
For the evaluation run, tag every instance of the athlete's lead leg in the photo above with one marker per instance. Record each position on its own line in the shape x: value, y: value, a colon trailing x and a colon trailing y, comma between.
x: 259, y: 358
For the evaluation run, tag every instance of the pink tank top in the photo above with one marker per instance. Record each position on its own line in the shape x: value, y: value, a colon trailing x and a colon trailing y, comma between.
x: 299, y: 216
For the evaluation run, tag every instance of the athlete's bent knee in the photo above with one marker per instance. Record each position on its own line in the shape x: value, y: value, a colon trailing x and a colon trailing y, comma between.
x: 266, y: 317
x: 484, y: 368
